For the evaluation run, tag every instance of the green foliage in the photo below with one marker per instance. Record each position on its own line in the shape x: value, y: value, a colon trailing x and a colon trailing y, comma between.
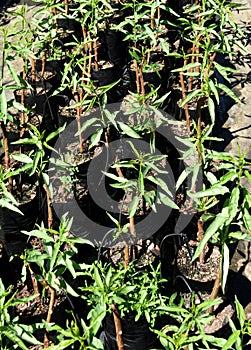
x: 83, y: 336
x: 186, y: 326
x: 131, y: 290
x: 13, y: 334
x: 55, y: 259
x: 236, y: 339
x: 206, y: 28
x: 231, y: 222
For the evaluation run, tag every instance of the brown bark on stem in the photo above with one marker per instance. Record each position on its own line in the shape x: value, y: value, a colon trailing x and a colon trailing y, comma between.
x: 5, y: 146
x: 90, y: 61
x: 141, y: 77
x: 152, y: 22
x: 6, y: 154
x: 137, y: 76
x: 85, y: 49
x: 80, y: 137
x: 66, y: 7
x: 216, y: 288
x: 182, y: 84
x: 54, y: 10
x: 95, y: 48
x: 33, y: 74
x: 200, y: 235
x: 126, y: 256
x: 22, y: 116
x: 48, y: 318
x: 118, y: 327
x: 198, y: 116
x: 34, y: 283
x: 49, y: 206
x: 190, y: 85
x: 131, y: 226
x: 134, y: 235
x: 43, y: 63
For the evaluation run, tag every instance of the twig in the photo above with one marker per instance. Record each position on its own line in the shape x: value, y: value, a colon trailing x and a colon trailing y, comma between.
x: 137, y: 76
x: 216, y: 288
x: 183, y: 97
x: 200, y: 235
x: 131, y: 225
x: 43, y: 64
x: 118, y: 327
x: 141, y: 77
x: 48, y: 318
x: 78, y: 99
x: 34, y: 283
x: 33, y: 75
x: 6, y: 154
x: 49, y: 207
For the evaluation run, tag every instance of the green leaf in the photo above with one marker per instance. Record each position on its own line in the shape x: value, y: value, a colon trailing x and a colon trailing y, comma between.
x: 211, y: 230
x: 96, y: 138
x: 8, y: 205
x: 237, y: 235
x: 114, y: 177
x: 141, y: 183
x: 214, y: 91
x: 225, y: 266
x: 3, y: 102
x: 39, y: 234
x: 223, y: 70
x: 248, y: 175
x: 212, y: 191
x: 25, y: 333
x: 97, y: 277
x: 231, y: 340
x: 161, y: 183
x: 229, y: 92
x: 128, y: 130
x: 182, y: 178
x: 87, y: 123
x: 211, y: 108
x: 167, y: 201
x: 21, y: 158
x: 187, y: 67
x: 26, y: 141
x: 227, y: 177
x: 69, y: 289
x: 247, y: 219
x: 54, y: 134
x: 19, y: 106
x: 240, y: 312
x: 233, y: 205
x: 190, y: 97
x: 133, y: 206
x: 127, y: 289
x: 37, y: 158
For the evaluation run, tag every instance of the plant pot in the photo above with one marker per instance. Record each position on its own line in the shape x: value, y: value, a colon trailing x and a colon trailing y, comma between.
x: 70, y: 24
x: 151, y: 78
x: 69, y: 32
x: 116, y: 48
x: 199, y: 276
x: 37, y: 102
x: 52, y: 71
x: 12, y: 223
x: 220, y: 327
x: 106, y: 75
x: 173, y: 107
x: 136, y: 335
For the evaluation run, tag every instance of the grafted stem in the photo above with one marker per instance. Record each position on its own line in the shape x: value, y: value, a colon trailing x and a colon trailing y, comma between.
x: 118, y: 327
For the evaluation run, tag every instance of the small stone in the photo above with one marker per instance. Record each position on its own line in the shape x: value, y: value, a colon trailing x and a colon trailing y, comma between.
x: 247, y: 271
x: 248, y: 311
